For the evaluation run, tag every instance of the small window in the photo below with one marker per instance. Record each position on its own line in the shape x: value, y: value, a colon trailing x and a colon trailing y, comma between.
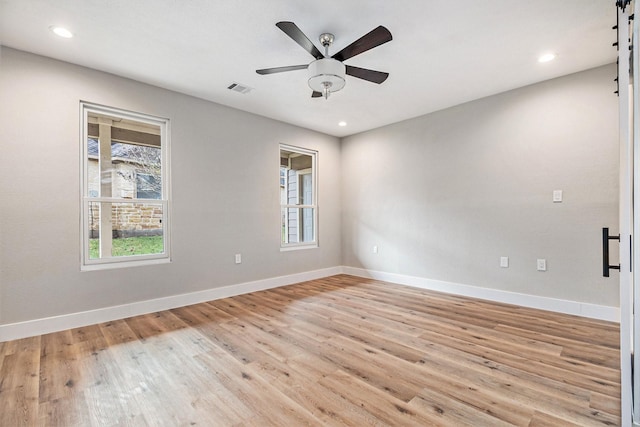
x: 148, y: 186
x: 125, y: 198
x: 298, y: 199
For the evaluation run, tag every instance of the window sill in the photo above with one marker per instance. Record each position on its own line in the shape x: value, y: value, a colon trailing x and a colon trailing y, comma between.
x: 298, y: 247
x: 124, y: 264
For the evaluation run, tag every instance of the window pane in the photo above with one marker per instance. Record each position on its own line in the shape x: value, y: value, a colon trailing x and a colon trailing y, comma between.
x: 136, y: 229
x: 305, y: 188
x: 148, y: 186
x: 137, y: 171
x: 293, y: 234
x: 94, y: 230
x: 283, y: 177
x: 118, y: 149
x: 297, y: 225
x: 93, y: 169
x: 306, y: 225
x: 284, y: 232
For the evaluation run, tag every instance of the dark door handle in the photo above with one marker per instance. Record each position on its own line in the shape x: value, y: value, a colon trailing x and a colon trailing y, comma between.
x: 605, y: 252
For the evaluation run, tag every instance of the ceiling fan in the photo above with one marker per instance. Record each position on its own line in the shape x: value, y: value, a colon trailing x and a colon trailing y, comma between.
x: 327, y: 74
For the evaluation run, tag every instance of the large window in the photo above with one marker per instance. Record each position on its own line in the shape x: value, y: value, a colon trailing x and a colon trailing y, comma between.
x: 298, y: 202
x: 125, y: 188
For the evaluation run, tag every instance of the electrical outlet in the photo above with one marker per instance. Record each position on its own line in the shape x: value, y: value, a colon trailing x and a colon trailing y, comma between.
x: 542, y: 265
x: 557, y: 196
x: 504, y: 261
x: 238, y: 258
x: 375, y: 249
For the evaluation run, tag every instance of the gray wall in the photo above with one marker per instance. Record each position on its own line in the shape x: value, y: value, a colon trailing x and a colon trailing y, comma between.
x: 225, y: 172
x: 445, y: 195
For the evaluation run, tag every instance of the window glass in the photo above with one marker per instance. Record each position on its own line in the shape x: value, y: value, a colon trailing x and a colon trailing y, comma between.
x: 298, y: 206
x: 125, y: 197
x: 148, y: 186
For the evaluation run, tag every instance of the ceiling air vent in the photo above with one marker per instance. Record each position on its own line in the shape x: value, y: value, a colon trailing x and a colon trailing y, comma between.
x: 237, y: 87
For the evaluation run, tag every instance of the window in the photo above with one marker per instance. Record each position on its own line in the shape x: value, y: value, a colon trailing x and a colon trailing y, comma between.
x: 298, y: 199
x: 148, y: 186
x: 125, y: 188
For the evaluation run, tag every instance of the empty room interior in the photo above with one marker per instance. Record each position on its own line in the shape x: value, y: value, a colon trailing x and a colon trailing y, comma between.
x: 322, y: 213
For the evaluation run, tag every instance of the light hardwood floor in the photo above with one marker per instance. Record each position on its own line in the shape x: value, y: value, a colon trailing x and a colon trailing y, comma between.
x: 337, y: 351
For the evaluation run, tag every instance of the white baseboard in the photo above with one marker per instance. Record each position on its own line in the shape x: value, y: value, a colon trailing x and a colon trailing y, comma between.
x: 31, y: 328
x: 593, y: 311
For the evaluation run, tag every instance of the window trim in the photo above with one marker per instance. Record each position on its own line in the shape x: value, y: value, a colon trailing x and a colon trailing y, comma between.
x: 86, y: 263
x: 314, y: 188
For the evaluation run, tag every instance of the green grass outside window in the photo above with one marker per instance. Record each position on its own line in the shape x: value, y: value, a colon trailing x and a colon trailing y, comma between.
x: 143, y: 245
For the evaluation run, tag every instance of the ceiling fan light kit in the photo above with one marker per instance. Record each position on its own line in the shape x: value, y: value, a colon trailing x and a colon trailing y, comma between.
x: 327, y: 74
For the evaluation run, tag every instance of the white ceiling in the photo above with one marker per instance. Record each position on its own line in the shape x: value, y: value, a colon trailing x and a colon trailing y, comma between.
x: 443, y: 52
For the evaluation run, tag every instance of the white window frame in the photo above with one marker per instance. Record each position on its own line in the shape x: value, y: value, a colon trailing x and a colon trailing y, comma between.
x: 285, y: 246
x: 88, y: 264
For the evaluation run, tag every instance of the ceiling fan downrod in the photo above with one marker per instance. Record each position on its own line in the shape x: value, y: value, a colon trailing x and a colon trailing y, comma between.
x: 326, y: 40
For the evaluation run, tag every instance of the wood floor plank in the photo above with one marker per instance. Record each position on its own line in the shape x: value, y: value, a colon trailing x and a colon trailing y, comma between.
x: 608, y: 404
x: 540, y: 419
x: 599, y: 354
x: 335, y: 351
x: 389, y: 410
x: 298, y: 378
x: 67, y: 411
x: 453, y: 412
x: 255, y: 392
x: 20, y: 383
x: 590, y: 381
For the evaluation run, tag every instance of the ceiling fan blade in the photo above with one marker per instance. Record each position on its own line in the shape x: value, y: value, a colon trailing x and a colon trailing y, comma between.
x: 316, y: 94
x: 298, y: 36
x: 281, y: 69
x: 374, y: 38
x: 366, y: 74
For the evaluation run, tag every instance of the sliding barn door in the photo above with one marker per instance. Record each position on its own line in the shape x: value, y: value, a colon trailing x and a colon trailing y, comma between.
x: 635, y: 213
x: 629, y: 110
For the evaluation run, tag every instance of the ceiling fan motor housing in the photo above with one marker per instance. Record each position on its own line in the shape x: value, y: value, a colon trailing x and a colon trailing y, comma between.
x: 326, y: 75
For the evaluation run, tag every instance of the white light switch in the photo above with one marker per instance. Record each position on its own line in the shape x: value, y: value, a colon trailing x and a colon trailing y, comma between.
x: 238, y: 258
x: 375, y: 249
x: 557, y: 196
x: 504, y: 261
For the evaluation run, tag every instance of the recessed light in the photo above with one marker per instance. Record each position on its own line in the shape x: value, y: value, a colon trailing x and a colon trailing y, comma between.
x: 61, y: 31
x: 342, y: 123
x: 547, y: 57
